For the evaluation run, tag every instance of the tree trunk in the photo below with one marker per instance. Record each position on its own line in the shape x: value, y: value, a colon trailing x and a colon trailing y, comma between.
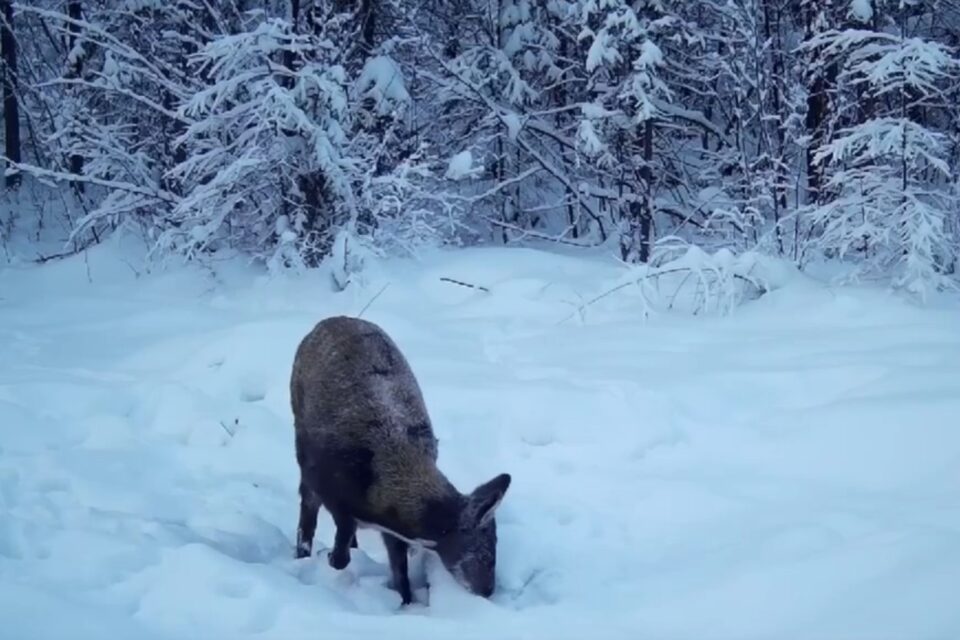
x: 368, y: 21
x: 772, y: 27
x: 288, y: 57
x: 637, y: 228
x: 816, y: 114
x: 11, y: 107
x: 646, y: 174
x: 816, y: 108
x: 823, y: 83
x: 75, y: 70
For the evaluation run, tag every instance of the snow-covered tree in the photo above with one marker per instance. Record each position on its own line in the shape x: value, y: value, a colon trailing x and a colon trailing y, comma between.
x: 105, y: 84
x: 625, y: 65
x: 505, y: 84
x: 888, y: 174
x: 750, y: 93
x: 273, y: 164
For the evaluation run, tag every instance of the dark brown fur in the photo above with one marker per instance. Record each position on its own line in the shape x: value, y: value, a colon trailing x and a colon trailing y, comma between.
x: 366, y: 448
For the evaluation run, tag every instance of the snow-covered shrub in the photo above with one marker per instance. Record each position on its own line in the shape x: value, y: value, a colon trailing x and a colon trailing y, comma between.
x: 685, y: 278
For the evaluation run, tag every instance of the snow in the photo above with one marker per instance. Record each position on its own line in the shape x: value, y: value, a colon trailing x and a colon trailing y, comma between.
x: 788, y: 470
x: 382, y: 80
x: 602, y: 51
x: 861, y: 10
x: 513, y: 122
x: 588, y: 139
x: 460, y: 166
x: 650, y: 56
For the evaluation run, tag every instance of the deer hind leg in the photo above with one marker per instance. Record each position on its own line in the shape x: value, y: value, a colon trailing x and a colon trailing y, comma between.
x: 309, y: 508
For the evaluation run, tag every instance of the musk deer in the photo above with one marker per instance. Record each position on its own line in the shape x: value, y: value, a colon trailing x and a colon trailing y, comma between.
x: 367, y: 452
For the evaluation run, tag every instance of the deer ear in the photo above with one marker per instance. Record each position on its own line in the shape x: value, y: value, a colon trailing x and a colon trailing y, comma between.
x: 486, y: 498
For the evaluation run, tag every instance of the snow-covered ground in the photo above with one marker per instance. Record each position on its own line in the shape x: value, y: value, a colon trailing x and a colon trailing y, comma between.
x: 788, y: 471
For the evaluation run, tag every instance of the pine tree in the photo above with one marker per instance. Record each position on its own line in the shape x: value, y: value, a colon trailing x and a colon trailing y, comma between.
x: 888, y: 171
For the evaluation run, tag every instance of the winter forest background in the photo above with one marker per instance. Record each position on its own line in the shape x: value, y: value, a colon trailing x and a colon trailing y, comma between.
x: 687, y: 270
x: 297, y: 131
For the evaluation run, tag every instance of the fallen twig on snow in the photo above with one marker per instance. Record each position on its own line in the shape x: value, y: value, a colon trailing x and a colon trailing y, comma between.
x: 230, y: 432
x: 465, y: 284
x: 78, y: 249
x: 367, y: 306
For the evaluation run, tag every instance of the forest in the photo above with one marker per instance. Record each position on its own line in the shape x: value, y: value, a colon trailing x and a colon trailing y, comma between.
x: 293, y: 131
